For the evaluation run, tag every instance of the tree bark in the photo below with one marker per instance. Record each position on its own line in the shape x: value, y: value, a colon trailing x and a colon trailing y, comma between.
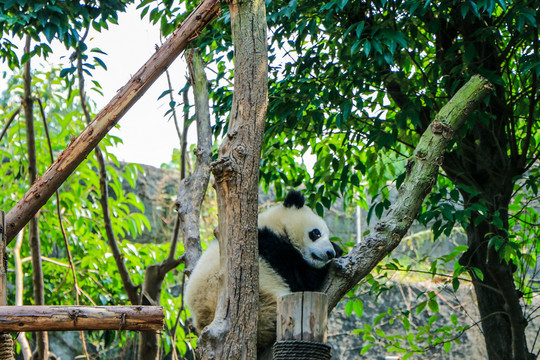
x: 503, y: 322
x: 79, y: 149
x: 192, y: 189
x: 42, y: 341
x: 421, y: 173
x: 232, y: 334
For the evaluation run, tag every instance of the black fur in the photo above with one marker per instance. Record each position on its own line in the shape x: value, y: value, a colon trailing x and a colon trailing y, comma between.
x: 288, y: 262
x: 294, y: 198
x: 337, y: 249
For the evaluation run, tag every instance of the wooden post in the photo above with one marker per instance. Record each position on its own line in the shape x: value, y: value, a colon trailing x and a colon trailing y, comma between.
x: 6, y: 342
x: 302, y: 316
x: 301, y: 327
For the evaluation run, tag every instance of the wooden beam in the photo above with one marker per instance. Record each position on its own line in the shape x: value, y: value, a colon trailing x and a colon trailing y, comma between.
x: 71, y: 318
x: 109, y: 116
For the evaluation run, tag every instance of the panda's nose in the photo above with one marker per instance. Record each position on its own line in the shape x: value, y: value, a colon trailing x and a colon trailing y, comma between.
x: 330, y: 254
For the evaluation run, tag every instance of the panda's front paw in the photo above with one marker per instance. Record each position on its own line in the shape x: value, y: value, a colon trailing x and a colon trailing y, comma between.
x: 341, y: 266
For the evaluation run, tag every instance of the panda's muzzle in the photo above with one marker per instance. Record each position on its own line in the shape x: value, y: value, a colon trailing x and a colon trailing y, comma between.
x: 329, y: 255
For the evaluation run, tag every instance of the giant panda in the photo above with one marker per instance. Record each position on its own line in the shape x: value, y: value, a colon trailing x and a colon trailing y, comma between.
x: 294, y: 255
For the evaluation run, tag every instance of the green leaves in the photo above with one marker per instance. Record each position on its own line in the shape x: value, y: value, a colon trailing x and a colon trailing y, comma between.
x: 419, y: 333
x: 60, y: 20
x: 81, y: 215
x: 355, y: 305
x: 50, y: 31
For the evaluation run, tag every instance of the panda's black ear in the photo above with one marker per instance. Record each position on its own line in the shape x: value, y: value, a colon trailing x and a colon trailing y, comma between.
x: 294, y: 198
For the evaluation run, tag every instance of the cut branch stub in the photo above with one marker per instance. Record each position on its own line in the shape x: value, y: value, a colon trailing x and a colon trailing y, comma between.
x: 128, y: 95
x: 421, y: 173
x: 223, y: 169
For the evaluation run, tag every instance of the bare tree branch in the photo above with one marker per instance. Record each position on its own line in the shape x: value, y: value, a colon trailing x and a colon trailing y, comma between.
x: 42, y: 338
x: 192, y: 190
x: 64, y: 236
x: 422, y: 169
x: 11, y: 118
x: 19, y: 290
x: 183, y: 138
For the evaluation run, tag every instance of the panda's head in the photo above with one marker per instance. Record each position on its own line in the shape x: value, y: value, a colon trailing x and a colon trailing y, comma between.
x: 306, y: 231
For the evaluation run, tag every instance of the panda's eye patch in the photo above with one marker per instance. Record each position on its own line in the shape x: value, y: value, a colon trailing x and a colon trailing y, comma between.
x: 315, y: 234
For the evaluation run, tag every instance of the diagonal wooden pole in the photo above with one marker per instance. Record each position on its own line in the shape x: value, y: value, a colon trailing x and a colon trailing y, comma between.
x: 128, y: 95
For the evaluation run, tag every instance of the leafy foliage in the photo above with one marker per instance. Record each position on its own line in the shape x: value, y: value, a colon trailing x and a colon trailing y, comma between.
x: 97, y: 273
x: 354, y: 84
x: 63, y: 20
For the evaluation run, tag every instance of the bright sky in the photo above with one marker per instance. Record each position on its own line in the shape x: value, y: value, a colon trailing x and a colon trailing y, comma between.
x: 148, y: 136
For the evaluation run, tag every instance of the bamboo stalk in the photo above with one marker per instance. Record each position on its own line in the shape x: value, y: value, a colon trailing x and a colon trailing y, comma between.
x: 76, y: 318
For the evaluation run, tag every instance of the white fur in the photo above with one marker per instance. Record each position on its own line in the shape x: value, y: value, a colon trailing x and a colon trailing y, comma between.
x: 295, y: 224
x: 202, y: 293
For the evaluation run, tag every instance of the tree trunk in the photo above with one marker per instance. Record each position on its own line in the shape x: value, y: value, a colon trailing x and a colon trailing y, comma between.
x: 481, y: 164
x: 42, y: 341
x: 503, y: 323
x: 489, y: 159
x: 232, y: 334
